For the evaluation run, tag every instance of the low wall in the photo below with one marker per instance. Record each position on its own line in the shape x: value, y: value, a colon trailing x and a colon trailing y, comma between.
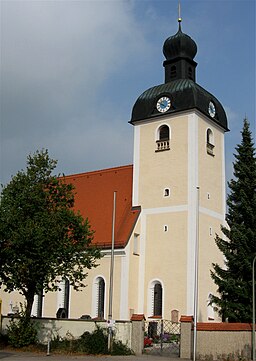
x: 216, y: 341
x: 130, y: 333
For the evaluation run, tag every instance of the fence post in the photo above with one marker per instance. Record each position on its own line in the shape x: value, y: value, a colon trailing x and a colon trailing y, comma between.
x: 137, y: 334
x: 186, y: 336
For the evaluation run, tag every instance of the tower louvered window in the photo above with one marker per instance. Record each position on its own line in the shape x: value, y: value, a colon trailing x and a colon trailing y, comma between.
x: 173, y: 72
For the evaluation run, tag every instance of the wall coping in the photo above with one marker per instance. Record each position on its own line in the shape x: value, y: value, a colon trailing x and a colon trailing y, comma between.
x: 223, y: 326
x: 137, y: 317
x: 186, y: 318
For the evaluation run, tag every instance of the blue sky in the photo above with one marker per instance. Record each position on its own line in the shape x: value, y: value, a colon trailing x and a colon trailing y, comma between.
x: 72, y: 70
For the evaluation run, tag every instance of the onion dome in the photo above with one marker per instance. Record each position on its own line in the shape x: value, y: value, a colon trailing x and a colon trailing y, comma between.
x: 180, y: 92
x: 179, y: 45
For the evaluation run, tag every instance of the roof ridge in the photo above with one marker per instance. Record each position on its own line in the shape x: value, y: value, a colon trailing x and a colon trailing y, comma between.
x: 104, y: 170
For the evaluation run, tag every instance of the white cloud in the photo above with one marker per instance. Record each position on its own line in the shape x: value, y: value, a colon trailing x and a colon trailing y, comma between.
x: 56, y: 56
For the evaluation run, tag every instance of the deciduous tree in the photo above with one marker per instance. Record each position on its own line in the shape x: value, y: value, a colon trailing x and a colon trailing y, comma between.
x: 42, y: 239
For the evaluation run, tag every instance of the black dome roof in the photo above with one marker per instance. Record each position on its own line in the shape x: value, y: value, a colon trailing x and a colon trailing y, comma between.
x: 185, y: 94
x: 179, y: 45
x: 180, y: 85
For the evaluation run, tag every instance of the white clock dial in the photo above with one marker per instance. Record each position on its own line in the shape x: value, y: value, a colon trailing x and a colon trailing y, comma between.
x: 163, y: 104
x: 211, y: 109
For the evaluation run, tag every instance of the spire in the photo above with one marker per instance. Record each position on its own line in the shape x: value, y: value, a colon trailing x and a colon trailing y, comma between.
x: 179, y: 51
x: 179, y: 15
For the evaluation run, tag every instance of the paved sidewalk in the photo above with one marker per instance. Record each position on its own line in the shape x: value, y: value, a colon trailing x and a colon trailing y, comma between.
x: 29, y: 356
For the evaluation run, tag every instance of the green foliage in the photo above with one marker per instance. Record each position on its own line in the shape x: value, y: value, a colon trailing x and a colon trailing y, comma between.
x: 120, y: 349
x: 234, y: 281
x: 22, y: 332
x: 41, y: 237
x: 95, y: 343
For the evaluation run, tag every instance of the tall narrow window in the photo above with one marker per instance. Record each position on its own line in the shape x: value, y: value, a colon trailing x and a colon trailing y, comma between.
x: 209, y: 142
x: 210, y: 308
x: 190, y: 73
x: 101, y: 298
x: 136, y: 247
x: 39, y: 310
x: 63, y: 299
x: 158, y: 299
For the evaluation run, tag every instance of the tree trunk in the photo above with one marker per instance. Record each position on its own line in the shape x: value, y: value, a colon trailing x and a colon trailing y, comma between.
x: 30, y: 300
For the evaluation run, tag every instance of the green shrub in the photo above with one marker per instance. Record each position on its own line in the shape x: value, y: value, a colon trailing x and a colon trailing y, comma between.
x: 95, y: 343
x: 22, y: 332
x: 120, y: 349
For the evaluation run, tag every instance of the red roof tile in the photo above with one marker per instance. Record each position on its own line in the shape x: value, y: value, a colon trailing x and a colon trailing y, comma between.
x: 94, y: 199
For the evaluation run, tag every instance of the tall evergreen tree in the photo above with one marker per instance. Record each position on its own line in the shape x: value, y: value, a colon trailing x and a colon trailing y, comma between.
x: 234, y: 280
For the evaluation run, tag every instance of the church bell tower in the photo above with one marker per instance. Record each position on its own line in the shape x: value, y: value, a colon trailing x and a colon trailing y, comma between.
x: 179, y: 182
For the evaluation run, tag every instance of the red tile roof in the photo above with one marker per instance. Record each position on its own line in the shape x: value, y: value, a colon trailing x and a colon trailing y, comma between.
x: 94, y: 199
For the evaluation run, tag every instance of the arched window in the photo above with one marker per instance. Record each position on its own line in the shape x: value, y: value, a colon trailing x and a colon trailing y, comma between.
x: 164, y: 132
x: 155, y: 299
x: 158, y: 299
x: 209, y: 136
x: 209, y: 141
x: 37, y: 309
x: 98, y: 297
x: 40, y: 304
x: 63, y: 298
x: 163, y: 138
x: 101, y: 298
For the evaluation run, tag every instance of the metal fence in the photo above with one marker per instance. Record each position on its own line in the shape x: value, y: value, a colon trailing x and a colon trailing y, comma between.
x: 162, y: 337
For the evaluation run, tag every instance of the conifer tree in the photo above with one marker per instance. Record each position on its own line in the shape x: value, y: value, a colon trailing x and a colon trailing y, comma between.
x: 234, y: 280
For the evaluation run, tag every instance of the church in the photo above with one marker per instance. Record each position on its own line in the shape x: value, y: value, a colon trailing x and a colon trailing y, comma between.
x: 165, y: 208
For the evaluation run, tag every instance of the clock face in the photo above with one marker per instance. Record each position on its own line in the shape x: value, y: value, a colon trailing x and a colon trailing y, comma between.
x: 163, y: 104
x: 211, y: 109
